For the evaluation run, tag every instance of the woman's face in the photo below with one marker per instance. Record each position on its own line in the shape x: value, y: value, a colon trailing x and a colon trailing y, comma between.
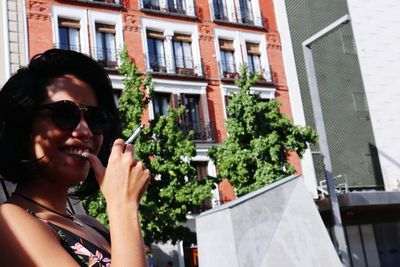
x: 58, y: 150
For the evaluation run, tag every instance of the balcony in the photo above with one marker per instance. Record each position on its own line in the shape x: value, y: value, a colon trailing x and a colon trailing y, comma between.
x: 175, y: 66
x: 238, y: 16
x: 264, y: 74
x: 179, y: 8
x: 116, y: 3
x: 203, y: 132
x: 228, y: 70
x: 74, y: 47
x: 108, y: 58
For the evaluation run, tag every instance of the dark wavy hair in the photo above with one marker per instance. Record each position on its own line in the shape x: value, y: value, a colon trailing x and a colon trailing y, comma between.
x: 26, y: 90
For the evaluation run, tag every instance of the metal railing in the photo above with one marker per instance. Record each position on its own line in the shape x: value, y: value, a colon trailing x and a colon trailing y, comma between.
x: 108, y: 58
x: 156, y: 63
x: 171, y: 7
x: 239, y: 15
x: 246, y: 16
x: 151, y: 4
x: 112, y: 2
x: 74, y: 47
x: 203, y: 132
x: 228, y: 70
x: 264, y: 74
x: 182, y: 66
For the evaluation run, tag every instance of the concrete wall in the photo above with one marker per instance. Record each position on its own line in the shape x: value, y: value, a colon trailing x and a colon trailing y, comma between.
x: 377, y: 39
x: 277, y: 225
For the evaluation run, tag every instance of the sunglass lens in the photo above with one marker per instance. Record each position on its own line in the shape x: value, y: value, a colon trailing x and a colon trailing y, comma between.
x: 66, y: 116
x: 97, y: 119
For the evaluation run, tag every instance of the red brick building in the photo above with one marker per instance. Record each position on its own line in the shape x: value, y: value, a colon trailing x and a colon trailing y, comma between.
x: 192, y: 48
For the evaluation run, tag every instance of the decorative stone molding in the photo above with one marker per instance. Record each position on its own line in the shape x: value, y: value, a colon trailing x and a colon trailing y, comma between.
x: 131, y: 23
x: 38, y: 10
x: 205, y: 33
x: 274, y: 41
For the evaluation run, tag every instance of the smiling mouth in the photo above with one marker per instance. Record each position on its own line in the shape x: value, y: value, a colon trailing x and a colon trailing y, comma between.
x: 75, y: 151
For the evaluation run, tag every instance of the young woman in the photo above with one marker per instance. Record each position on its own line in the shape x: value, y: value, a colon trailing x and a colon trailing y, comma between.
x: 58, y: 129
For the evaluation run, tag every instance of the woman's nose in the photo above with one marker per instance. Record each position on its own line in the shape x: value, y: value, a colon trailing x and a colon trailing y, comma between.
x: 82, y: 129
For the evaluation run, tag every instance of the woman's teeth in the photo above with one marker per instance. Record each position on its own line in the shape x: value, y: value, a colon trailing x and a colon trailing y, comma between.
x: 75, y: 151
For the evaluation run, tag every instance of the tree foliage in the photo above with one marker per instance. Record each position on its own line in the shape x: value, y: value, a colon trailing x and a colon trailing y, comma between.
x: 166, y: 151
x: 259, y: 138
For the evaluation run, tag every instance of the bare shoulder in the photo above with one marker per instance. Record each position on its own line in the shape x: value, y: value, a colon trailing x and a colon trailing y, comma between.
x: 27, y: 241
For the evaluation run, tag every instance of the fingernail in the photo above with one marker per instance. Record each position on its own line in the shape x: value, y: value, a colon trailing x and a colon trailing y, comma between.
x: 85, y: 155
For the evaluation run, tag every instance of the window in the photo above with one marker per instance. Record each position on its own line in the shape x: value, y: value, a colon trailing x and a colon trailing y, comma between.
x: 151, y: 4
x: 106, y: 52
x: 220, y: 12
x: 253, y: 58
x: 192, y: 114
x: 183, y: 54
x: 246, y: 12
x: 201, y: 169
x: 161, y: 102
x: 68, y: 31
x: 227, y: 58
x: 156, y: 52
x: 177, y: 6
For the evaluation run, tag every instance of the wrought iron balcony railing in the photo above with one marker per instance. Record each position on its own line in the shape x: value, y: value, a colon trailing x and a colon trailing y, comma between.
x: 108, y: 58
x: 107, y: 2
x: 203, y: 132
x: 157, y: 63
x: 239, y: 15
x: 180, y: 66
x: 228, y: 70
x: 169, y: 7
x: 246, y: 16
x: 74, y: 47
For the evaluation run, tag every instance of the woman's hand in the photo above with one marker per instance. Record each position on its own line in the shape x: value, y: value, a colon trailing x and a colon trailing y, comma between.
x: 125, y: 180
x: 123, y: 184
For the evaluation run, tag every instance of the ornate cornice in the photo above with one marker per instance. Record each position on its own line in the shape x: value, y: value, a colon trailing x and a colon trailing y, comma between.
x: 274, y: 41
x: 38, y: 10
x: 131, y: 23
x: 205, y: 33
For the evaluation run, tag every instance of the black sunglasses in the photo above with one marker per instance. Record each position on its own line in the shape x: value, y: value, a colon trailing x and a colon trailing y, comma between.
x: 66, y: 115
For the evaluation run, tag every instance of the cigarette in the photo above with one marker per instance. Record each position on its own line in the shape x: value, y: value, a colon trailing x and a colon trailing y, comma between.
x: 135, y: 134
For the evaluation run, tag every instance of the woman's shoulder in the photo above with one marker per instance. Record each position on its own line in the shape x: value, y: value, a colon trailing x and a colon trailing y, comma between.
x: 13, y: 213
x: 15, y: 219
x: 27, y: 240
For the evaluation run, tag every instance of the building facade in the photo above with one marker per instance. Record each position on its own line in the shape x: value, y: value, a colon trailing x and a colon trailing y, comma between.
x: 192, y: 48
x: 354, y: 56
x: 13, y: 36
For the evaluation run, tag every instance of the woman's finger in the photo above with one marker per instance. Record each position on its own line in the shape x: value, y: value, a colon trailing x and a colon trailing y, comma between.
x: 118, y: 147
x: 97, y: 166
x: 129, y: 150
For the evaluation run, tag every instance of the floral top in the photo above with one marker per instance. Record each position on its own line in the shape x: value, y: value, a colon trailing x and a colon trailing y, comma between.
x: 83, y: 251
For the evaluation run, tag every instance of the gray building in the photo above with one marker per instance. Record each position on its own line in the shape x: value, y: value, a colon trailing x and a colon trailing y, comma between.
x: 13, y: 38
x: 354, y: 55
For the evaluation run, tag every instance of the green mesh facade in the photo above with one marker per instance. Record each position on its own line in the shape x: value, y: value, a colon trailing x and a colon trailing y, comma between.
x: 349, y: 132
